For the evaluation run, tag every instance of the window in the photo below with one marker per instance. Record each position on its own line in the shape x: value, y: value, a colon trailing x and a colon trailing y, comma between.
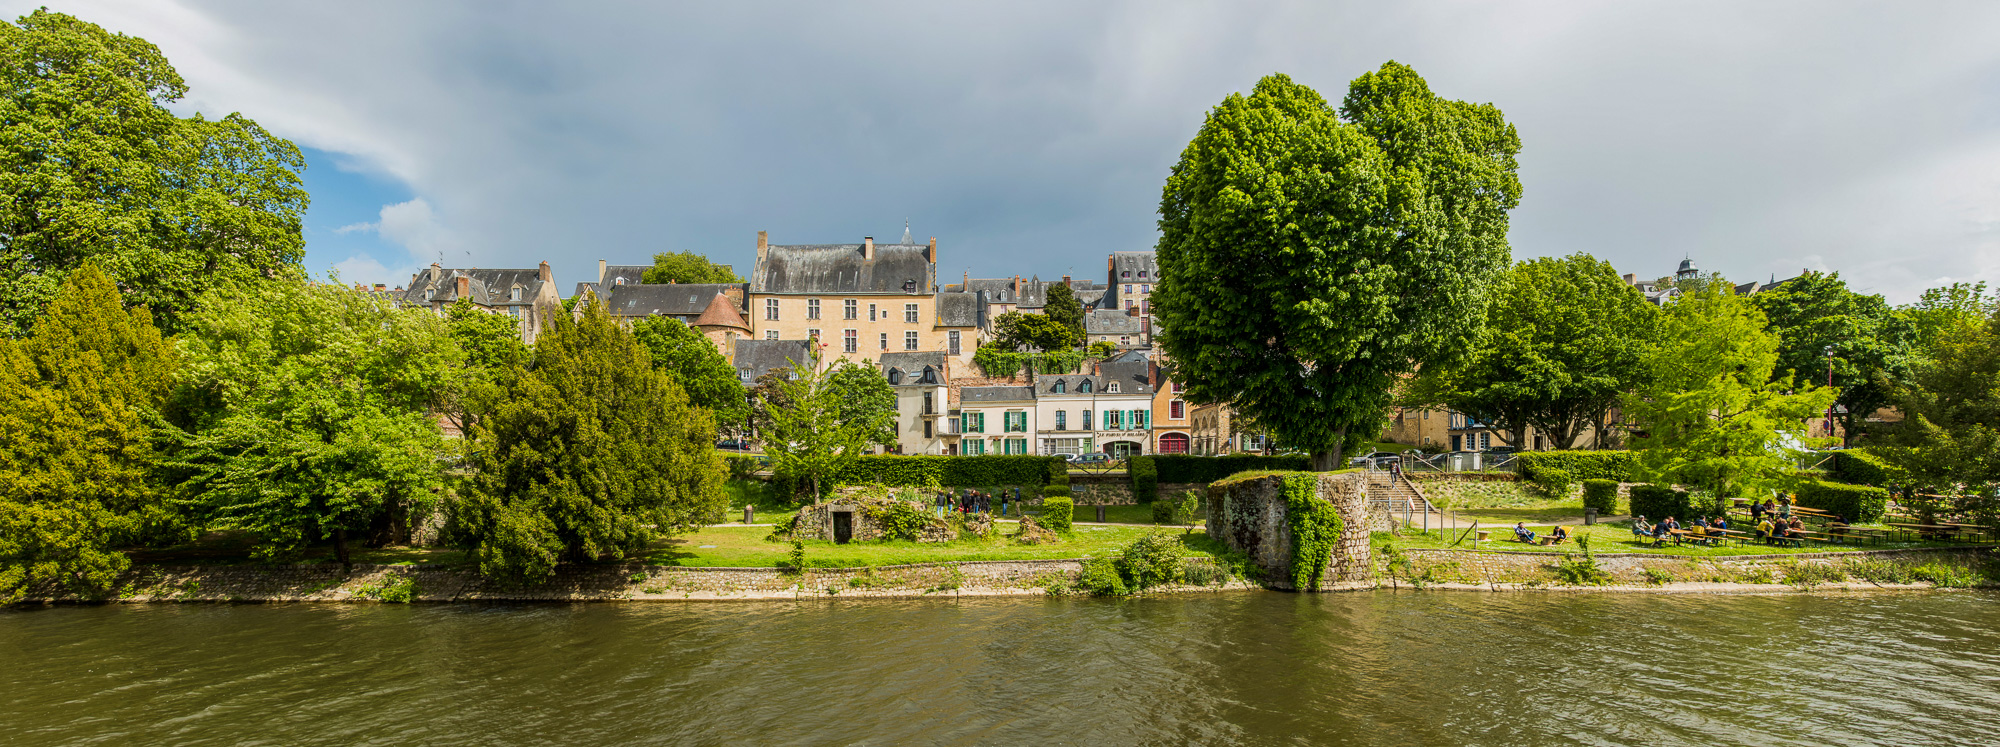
x: 1016, y: 422
x: 1485, y: 441
x: 975, y: 422
x: 927, y: 429
x: 771, y: 310
x: 1179, y: 387
x: 1176, y: 410
x: 1017, y: 445
x: 1083, y: 387
x: 909, y: 313
x: 812, y: 334
x: 1086, y: 420
x: 850, y: 309
x: 951, y: 339
x: 429, y: 292
x: 812, y: 308
x: 1129, y: 303
x: 1062, y: 422
x: 885, y: 341
x: 895, y: 377
x: 850, y: 341
x: 514, y: 295
x: 1126, y: 274
x: 871, y: 312
x: 1142, y: 274
x: 770, y: 334
x: 1111, y: 388
x: 1139, y: 418
x: 1114, y: 420
x: 1059, y: 387
x: 1124, y: 341
x: 975, y: 448
x: 909, y: 341
x: 1145, y: 289
x: 930, y: 404
x: 1128, y: 289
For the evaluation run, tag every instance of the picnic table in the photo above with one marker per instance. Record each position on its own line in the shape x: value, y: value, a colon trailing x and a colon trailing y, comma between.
x: 1688, y: 535
x: 1947, y: 531
x: 1980, y: 529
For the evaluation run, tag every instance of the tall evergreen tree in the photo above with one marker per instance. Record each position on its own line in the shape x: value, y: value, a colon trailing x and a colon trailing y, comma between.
x: 593, y: 453
x: 1307, y: 262
x: 93, y: 167
x: 1061, y: 305
x: 77, y: 465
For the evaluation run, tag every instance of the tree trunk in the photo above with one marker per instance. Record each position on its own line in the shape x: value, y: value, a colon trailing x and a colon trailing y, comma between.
x: 340, y: 548
x: 1328, y: 461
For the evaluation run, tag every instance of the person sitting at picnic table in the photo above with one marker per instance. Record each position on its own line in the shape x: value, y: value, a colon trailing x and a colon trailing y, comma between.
x: 1720, y: 522
x: 1660, y: 533
x: 1558, y: 534
x: 1797, y: 526
x: 1781, y: 533
x: 1756, y: 511
x: 1764, y: 530
x: 1523, y: 534
x: 1640, y: 528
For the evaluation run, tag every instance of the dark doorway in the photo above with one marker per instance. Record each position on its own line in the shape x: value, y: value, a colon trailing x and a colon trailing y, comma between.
x: 843, y: 527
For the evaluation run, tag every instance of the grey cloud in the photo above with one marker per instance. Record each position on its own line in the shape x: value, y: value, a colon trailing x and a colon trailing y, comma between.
x: 1033, y: 137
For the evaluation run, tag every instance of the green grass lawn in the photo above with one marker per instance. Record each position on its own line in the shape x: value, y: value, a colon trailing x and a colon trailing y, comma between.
x: 1608, y: 538
x: 745, y: 547
x: 1134, y: 514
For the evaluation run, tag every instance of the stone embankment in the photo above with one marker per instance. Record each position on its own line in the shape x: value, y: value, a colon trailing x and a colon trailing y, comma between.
x: 1522, y: 571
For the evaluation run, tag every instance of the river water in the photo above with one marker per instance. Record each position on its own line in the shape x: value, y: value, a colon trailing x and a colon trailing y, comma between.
x: 1443, y: 668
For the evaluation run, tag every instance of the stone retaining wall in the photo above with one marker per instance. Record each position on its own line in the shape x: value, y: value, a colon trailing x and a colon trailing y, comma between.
x: 1515, y: 570
x: 1251, y: 516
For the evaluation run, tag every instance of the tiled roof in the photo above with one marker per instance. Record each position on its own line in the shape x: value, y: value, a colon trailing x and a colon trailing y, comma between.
x: 1110, y: 322
x: 977, y: 394
x: 484, y: 287
x: 671, y: 299
x: 841, y: 269
x: 722, y: 312
x: 759, y: 357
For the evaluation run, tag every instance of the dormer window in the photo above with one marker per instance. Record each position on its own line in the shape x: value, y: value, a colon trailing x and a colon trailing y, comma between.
x: 930, y: 376
x: 514, y: 295
x: 910, y: 286
x: 429, y: 293
x: 1111, y: 388
x: 1058, y: 387
x: 895, y: 377
x: 1083, y: 387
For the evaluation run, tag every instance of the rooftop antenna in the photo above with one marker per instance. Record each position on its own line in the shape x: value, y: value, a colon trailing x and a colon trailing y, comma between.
x: 906, y: 231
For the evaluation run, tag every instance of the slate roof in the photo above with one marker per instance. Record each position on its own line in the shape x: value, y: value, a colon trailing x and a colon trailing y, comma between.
x: 487, y: 287
x: 839, y: 269
x: 977, y: 394
x: 961, y: 310
x: 1045, y: 384
x: 912, y: 365
x: 672, y: 299
x: 755, y: 358
x: 1090, y: 298
x: 631, y: 274
x: 1133, y: 377
x: 1110, y: 322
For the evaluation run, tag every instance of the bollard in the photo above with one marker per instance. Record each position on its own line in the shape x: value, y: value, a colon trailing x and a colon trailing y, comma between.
x: 1100, y: 513
x: 1589, y: 516
x: 749, y: 514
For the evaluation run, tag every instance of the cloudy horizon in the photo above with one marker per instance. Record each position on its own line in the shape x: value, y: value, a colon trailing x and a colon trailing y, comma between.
x: 1757, y: 140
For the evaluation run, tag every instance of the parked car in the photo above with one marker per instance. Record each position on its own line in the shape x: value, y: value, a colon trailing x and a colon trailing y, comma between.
x: 1375, y: 459
x: 733, y: 444
x: 1096, y: 458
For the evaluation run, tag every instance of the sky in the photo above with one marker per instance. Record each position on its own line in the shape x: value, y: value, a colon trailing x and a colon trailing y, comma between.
x: 1032, y: 138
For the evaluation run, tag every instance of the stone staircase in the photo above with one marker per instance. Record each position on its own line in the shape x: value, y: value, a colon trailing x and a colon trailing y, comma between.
x: 1398, y: 496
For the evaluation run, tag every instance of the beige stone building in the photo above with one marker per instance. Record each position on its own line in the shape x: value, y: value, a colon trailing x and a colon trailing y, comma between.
x: 860, y: 300
x: 921, y: 401
x: 528, y: 296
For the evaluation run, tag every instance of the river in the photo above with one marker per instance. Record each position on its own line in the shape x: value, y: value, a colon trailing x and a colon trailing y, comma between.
x: 1418, y: 668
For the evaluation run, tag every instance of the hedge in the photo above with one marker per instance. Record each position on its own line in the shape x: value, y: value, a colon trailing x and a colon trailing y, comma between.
x: 1863, y: 468
x: 1554, y: 482
x: 1858, y: 504
x: 1145, y: 478
x: 1055, y: 491
x: 956, y: 471
x: 1057, y: 513
x: 741, y: 466
x: 1601, y: 495
x: 1657, y: 502
x: 1187, y: 468
x: 1581, y: 465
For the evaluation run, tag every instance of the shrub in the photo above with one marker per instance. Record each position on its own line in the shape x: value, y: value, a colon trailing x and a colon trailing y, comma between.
x: 1057, y: 513
x: 1861, y: 504
x: 1656, y: 502
x: 1863, y: 468
x: 1145, y: 478
x: 1601, y: 495
x: 1553, y: 482
x: 1575, y: 571
x: 1100, y: 578
x: 741, y: 466
x: 902, y: 521
x: 1316, y: 526
x: 1163, y: 512
x: 1581, y: 465
x: 1056, y: 491
x: 1186, y: 468
x: 1187, y: 507
x: 1152, y: 560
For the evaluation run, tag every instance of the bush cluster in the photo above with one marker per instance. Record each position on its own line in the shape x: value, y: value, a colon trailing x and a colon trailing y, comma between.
x: 1554, y: 482
x: 956, y: 471
x: 1581, y: 465
x: 1316, y: 526
x: 1601, y: 495
x: 1056, y: 491
x: 740, y: 466
x: 1057, y: 513
x: 1656, y: 502
x: 1186, y: 468
x: 1861, y: 504
x: 1145, y: 478
x: 1863, y: 468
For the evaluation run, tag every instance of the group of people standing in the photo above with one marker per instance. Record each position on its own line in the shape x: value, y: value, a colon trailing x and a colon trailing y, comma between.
x: 974, y: 501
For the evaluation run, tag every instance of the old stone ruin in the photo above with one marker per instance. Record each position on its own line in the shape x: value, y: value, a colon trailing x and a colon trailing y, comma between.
x: 1252, y: 516
x: 871, y: 513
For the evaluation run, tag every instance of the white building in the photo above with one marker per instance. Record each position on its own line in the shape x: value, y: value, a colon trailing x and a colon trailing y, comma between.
x: 994, y: 420
x: 919, y: 381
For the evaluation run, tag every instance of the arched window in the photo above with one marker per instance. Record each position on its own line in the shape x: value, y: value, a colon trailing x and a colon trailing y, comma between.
x: 1059, y: 387
x: 1083, y: 386
x: 1111, y: 387
x: 895, y: 377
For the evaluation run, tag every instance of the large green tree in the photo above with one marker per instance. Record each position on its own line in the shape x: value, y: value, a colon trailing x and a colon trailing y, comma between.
x: 1712, y: 411
x: 809, y: 433
x: 306, y: 414
x: 1309, y: 258
x: 861, y: 394
x: 692, y: 361
x: 1060, y: 304
x: 93, y: 167
x: 687, y: 267
x: 1824, y: 328
x: 594, y: 453
x: 1019, y: 330
x: 1949, y: 438
x: 1560, y: 346
x: 78, y: 472
x: 492, y: 348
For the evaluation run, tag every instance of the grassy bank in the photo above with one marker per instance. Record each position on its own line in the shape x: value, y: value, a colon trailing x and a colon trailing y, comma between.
x: 745, y: 547
x: 1610, y: 538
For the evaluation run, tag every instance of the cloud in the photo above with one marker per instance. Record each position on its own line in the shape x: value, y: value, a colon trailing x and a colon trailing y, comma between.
x: 1033, y: 137
x: 364, y: 227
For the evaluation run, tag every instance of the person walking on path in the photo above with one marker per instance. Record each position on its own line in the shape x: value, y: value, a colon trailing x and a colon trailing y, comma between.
x: 1395, y: 472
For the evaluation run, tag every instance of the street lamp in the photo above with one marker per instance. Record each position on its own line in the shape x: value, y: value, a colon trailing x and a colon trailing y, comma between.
x: 1829, y: 385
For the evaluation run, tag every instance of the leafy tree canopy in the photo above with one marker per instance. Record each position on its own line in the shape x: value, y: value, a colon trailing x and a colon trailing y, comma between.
x: 863, y: 395
x: 306, y: 412
x: 809, y: 433
x: 77, y: 465
x: 1060, y: 305
x: 1949, y: 438
x: 1019, y: 329
x: 1712, y: 412
x: 593, y: 453
x: 693, y: 362
x: 1944, y: 317
x: 1561, y: 344
x: 1309, y: 258
x: 687, y: 267
x: 1822, y: 325
x: 93, y: 167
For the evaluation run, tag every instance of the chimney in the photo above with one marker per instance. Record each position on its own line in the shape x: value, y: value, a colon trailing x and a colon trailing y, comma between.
x: 763, y: 245
x: 1631, y: 279
x: 868, y: 248
x: 600, y: 272
x: 464, y: 286
x: 547, y: 277
x: 379, y: 287
x: 930, y: 255
x: 1131, y: 311
x: 1065, y: 280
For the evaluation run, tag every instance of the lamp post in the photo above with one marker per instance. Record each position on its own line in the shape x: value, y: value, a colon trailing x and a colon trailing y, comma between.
x: 1829, y: 385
